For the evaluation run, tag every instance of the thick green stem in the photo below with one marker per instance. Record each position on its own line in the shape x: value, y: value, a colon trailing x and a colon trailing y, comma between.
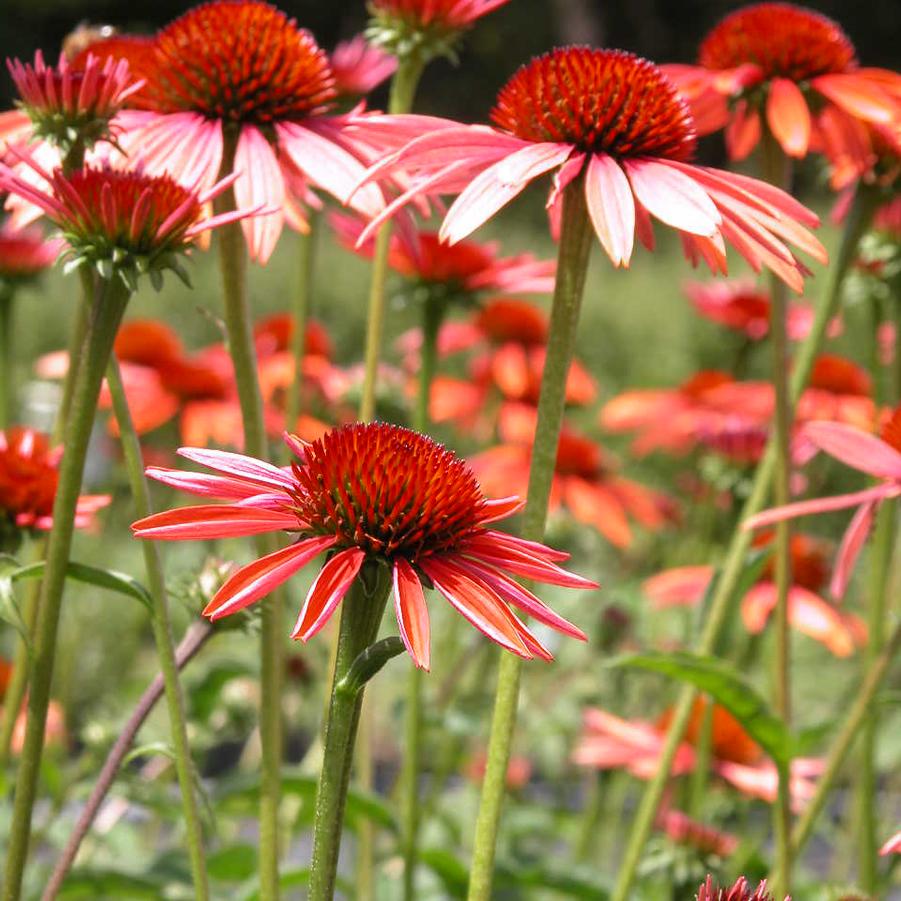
x: 432, y: 315
x: 734, y: 563
x: 361, y: 614
x: 162, y: 632
x: 7, y: 299
x: 233, y: 266
x: 106, y: 314
x: 403, y: 90
x: 300, y: 308
x: 572, y: 266
x: 844, y: 740
x: 777, y: 171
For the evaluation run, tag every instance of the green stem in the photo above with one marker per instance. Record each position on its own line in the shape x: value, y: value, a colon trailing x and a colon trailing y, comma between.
x: 361, y: 614
x: 432, y: 315
x: 106, y: 314
x: 572, y: 265
x: 233, y: 266
x: 162, y: 631
x: 703, y: 757
x: 403, y: 90
x: 777, y: 171
x: 303, y: 298
x: 7, y: 299
x: 15, y: 691
x: 882, y: 548
x: 733, y: 565
x: 844, y: 740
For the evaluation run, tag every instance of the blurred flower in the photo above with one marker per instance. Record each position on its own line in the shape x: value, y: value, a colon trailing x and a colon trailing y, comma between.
x: 370, y: 492
x: 465, y: 268
x: 797, y: 68
x: 877, y: 457
x: 738, y: 891
x: 25, y: 254
x: 359, y: 68
x: 29, y: 473
x: 584, y: 482
x: 125, y: 223
x: 55, y: 733
x: 519, y: 770
x: 684, y: 830
x: 422, y: 29
x: 741, y: 305
x: 893, y: 845
x: 808, y: 612
x: 245, y: 71
x: 616, y: 121
x: 608, y: 742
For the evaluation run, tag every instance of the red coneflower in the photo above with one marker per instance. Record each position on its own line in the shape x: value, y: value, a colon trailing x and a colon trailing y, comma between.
x: 740, y: 890
x: 617, y: 121
x: 796, y: 68
x: 243, y: 70
x: 359, y: 68
x: 29, y: 472
x: 370, y: 492
x: 120, y: 221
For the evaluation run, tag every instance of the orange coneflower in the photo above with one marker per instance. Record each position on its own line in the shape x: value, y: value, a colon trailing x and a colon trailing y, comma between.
x: 372, y: 492
x: 798, y: 69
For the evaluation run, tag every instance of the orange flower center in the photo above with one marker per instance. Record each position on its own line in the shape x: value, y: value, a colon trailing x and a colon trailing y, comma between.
x: 605, y: 101
x: 243, y: 62
x: 386, y: 490
x: 503, y: 320
x: 891, y: 431
x: 784, y: 40
x: 840, y: 376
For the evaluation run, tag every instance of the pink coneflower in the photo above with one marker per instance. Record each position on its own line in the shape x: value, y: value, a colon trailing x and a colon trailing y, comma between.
x: 741, y: 305
x: 877, y: 457
x: 466, y: 268
x: 796, y: 68
x: 424, y: 28
x: 120, y: 220
x: 359, y: 68
x: 241, y: 71
x: 740, y: 890
x: 66, y: 104
x: 25, y: 253
x: 29, y: 473
x: 372, y: 492
x: 616, y: 121
x: 685, y: 830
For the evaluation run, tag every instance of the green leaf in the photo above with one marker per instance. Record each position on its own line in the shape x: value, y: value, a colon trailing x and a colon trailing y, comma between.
x: 234, y: 863
x: 726, y: 687
x: 243, y: 793
x: 368, y: 664
x: 205, y: 694
x: 92, y: 575
x: 149, y: 750
x: 106, y: 885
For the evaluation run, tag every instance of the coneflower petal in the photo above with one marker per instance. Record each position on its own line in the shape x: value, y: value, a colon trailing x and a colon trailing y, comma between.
x: 332, y: 583
x: 412, y: 612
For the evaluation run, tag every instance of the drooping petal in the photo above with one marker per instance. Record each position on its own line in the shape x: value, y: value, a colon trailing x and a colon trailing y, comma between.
x: 821, y: 505
x: 212, y: 521
x: 743, y: 131
x: 257, y: 579
x: 597, y: 506
x: 500, y: 508
x: 856, y: 448
x: 497, y: 186
x: 523, y: 544
x: 476, y: 602
x: 204, y: 484
x: 853, y: 541
x: 678, y: 587
x: 611, y: 207
x: 259, y: 183
x: 673, y: 197
x: 859, y: 96
x: 412, y: 612
x: 332, y: 583
x: 788, y: 117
